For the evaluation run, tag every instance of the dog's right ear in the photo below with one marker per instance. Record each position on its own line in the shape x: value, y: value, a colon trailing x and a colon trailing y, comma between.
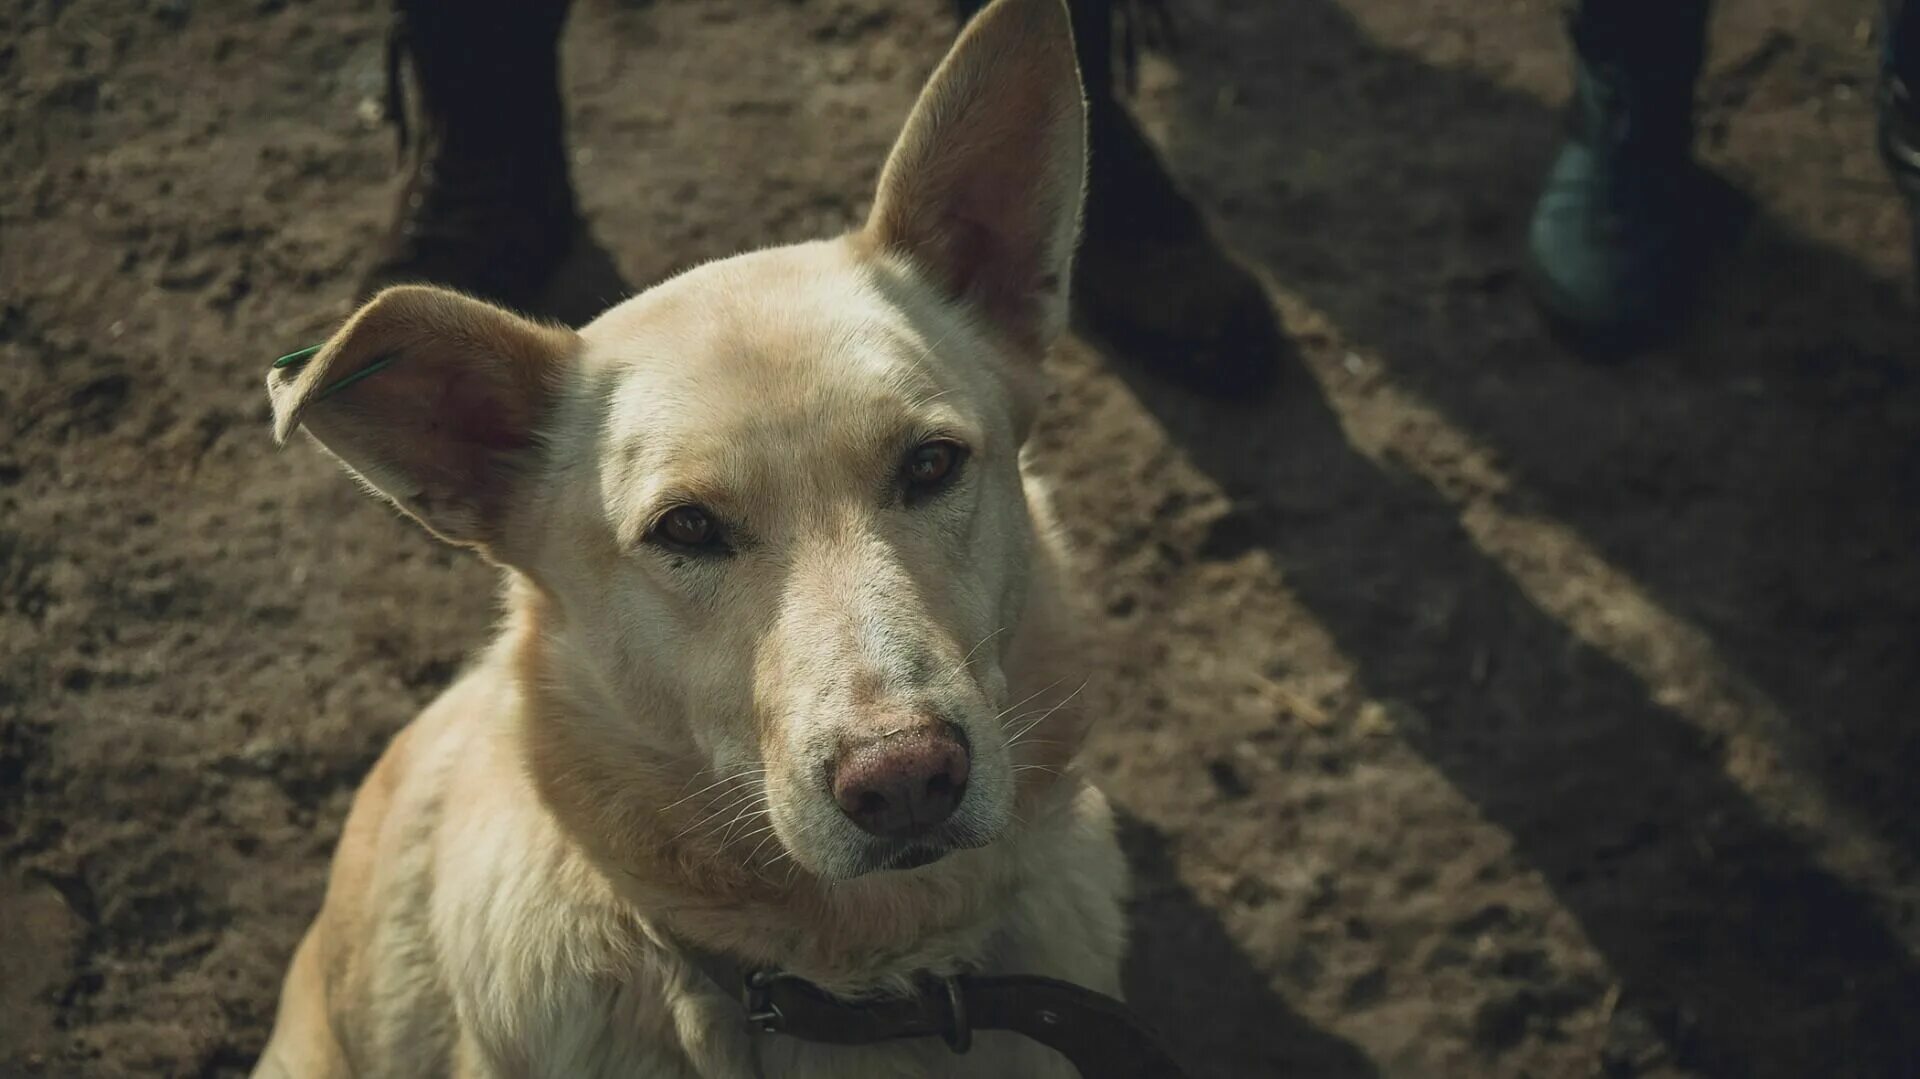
x: 433, y: 399
x: 983, y: 191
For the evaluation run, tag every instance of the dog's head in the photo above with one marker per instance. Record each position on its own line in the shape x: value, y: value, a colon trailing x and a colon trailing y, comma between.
x: 771, y: 511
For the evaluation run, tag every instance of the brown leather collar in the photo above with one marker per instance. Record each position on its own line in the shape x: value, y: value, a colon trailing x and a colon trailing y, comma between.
x: 1095, y: 1032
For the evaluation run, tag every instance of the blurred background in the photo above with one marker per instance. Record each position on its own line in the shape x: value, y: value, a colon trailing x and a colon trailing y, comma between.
x: 1477, y: 705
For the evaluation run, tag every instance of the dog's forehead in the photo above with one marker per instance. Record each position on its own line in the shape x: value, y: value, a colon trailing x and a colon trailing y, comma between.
x: 741, y: 363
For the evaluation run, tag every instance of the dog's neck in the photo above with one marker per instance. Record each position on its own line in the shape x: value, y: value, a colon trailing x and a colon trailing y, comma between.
x: 847, y: 935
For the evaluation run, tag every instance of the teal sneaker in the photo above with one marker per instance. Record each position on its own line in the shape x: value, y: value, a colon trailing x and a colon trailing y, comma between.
x: 1621, y: 235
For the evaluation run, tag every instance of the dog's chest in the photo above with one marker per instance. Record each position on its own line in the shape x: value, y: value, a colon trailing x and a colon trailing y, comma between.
x: 563, y: 989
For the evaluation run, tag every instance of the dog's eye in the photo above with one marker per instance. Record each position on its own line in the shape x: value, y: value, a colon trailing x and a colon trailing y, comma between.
x: 931, y: 466
x: 687, y: 526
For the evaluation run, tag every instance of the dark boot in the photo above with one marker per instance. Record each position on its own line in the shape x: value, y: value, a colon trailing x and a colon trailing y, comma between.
x: 1151, y: 281
x: 1621, y: 234
x: 488, y: 206
x: 1900, y: 111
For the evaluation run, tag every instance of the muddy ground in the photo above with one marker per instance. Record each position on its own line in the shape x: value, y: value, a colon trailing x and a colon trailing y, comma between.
x: 1476, y: 709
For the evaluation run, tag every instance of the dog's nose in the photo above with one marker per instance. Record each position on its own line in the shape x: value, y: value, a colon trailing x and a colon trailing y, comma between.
x: 901, y: 784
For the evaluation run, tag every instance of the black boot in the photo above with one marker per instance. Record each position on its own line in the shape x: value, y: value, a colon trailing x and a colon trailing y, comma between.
x: 488, y: 206
x: 1622, y: 231
x: 1151, y: 281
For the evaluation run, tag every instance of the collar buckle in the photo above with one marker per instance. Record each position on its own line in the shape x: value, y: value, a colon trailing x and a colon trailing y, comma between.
x: 957, y: 1029
x: 762, y: 1012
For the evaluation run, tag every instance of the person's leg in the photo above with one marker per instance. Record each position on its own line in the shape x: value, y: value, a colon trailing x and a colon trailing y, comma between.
x: 488, y: 207
x: 1151, y: 280
x: 1900, y: 107
x: 1618, y: 240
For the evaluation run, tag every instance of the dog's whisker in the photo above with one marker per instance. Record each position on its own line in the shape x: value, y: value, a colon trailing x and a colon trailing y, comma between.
x: 772, y: 834
x: 695, y: 774
x: 1011, y: 721
x: 746, y: 814
x: 1018, y: 742
x: 716, y: 783
x: 1049, y: 712
x: 926, y: 353
x: 982, y: 641
x: 1018, y: 737
x: 743, y: 836
x: 1025, y: 699
x: 1028, y: 698
x: 745, y: 799
x: 760, y: 805
x: 730, y: 793
x: 711, y: 814
x: 698, y: 821
x: 727, y: 802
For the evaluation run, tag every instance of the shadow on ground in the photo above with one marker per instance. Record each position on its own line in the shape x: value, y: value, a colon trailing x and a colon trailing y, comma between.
x: 1762, y: 479
x: 1187, y: 977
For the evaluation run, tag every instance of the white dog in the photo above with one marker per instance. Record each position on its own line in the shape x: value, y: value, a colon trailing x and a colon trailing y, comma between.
x: 782, y: 674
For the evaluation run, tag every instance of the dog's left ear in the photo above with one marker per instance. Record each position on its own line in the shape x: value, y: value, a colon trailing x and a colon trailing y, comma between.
x: 983, y: 191
x: 436, y: 401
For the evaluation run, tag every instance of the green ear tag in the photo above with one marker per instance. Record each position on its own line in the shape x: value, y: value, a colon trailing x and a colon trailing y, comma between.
x: 295, y: 359
x: 356, y: 376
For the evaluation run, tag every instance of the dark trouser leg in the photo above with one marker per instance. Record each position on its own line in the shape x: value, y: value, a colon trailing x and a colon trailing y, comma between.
x: 1621, y: 234
x: 488, y: 206
x: 1151, y: 281
x: 1656, y: 46
x: 1902, y: 54
x: 1900, y: 106
x: 487, y: 71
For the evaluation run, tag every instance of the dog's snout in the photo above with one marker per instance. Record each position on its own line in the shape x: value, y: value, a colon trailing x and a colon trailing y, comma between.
x: 901, y: 784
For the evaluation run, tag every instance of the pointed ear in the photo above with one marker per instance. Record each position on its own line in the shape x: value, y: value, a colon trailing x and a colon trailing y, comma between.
x: 433, y: 399
x: 984, y: 189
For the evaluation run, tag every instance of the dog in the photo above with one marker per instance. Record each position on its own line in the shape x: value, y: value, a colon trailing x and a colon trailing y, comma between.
x: 788, y: 664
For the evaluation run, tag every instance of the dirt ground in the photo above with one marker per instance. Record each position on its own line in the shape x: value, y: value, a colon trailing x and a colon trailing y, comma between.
x: 1476, y: 710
